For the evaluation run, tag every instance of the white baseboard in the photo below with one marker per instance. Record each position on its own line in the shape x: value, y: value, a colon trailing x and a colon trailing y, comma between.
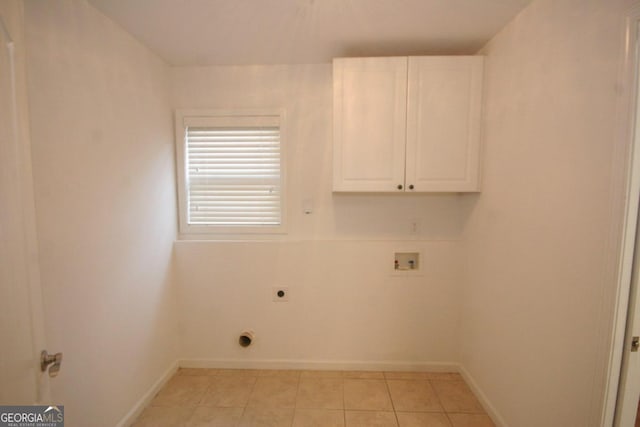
x: 144, y: 401
x: 484, y: 400
x: 320, y: 365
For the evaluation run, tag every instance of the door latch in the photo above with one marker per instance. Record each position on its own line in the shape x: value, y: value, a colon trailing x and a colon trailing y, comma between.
x: 635, y: 343
x: 55, y: 360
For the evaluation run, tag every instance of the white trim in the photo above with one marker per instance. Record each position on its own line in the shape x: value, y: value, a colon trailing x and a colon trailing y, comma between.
x: 627, y: 158
x: 353, y: 365
x: 146, y: 398
x: 222, y: 239
x: 25, y: 193
x: 214, y: 233
x: 482, y: 397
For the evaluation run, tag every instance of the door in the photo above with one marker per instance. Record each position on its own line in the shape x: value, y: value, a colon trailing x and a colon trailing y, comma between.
x: 628, y: 387
x: 443, y: 122
x: 21, y: 323
x: 370, y: 112
x: 629, y: 394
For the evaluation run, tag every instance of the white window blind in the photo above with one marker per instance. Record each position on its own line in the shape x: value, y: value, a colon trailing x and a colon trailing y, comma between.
x: 233, y: 172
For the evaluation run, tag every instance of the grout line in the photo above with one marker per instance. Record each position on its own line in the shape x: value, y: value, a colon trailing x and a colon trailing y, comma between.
x: 393, y: 406
x: 193, y: 412
x: 246, y: 405
x: 297, y: 393
x: 435, y: 391
x: 295, y: 404
x: 209, y: 385
x: 344, y: 401
x: 446, y: 414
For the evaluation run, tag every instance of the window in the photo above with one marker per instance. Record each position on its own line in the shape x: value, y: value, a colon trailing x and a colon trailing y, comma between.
x: 230, y: 174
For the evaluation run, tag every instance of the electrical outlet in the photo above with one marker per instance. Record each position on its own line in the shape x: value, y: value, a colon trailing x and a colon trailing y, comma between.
x: 414, y: 226
x: 280, y: 294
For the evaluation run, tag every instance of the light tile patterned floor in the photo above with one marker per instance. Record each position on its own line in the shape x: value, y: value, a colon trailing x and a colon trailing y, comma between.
x: 247, y: 397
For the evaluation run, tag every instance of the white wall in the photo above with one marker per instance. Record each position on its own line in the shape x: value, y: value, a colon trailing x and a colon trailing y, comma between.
x: 345, y: 306
x: 537, y: 293
x: 532, y: 309
x: 105, y: 200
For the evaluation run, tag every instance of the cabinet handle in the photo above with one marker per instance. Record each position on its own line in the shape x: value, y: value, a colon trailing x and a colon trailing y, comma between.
x: 399, y: 186
x: 411, y: 187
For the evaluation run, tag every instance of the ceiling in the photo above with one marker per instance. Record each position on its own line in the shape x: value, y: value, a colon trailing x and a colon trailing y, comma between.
x: 241, y: 32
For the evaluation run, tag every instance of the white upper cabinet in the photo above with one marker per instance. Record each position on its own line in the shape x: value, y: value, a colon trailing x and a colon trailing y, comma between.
x: 370, y: 115
x: 443, y: 123
x: 407, y: 124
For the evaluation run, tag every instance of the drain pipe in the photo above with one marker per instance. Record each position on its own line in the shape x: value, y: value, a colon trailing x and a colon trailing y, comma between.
x: 246, y: 338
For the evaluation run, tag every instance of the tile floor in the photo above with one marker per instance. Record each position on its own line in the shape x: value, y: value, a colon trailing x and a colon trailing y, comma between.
x: 241, y: 397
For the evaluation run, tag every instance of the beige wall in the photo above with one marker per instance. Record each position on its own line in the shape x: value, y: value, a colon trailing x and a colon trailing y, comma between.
x: 105, y: 199
x: 538, y: 294
x: 337, y: 261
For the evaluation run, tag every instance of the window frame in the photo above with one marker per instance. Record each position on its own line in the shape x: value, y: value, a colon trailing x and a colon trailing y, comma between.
x: 182, y: 116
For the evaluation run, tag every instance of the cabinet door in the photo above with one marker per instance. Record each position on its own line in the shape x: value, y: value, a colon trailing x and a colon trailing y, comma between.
x: 443, y: 123
x: 369, y: 123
